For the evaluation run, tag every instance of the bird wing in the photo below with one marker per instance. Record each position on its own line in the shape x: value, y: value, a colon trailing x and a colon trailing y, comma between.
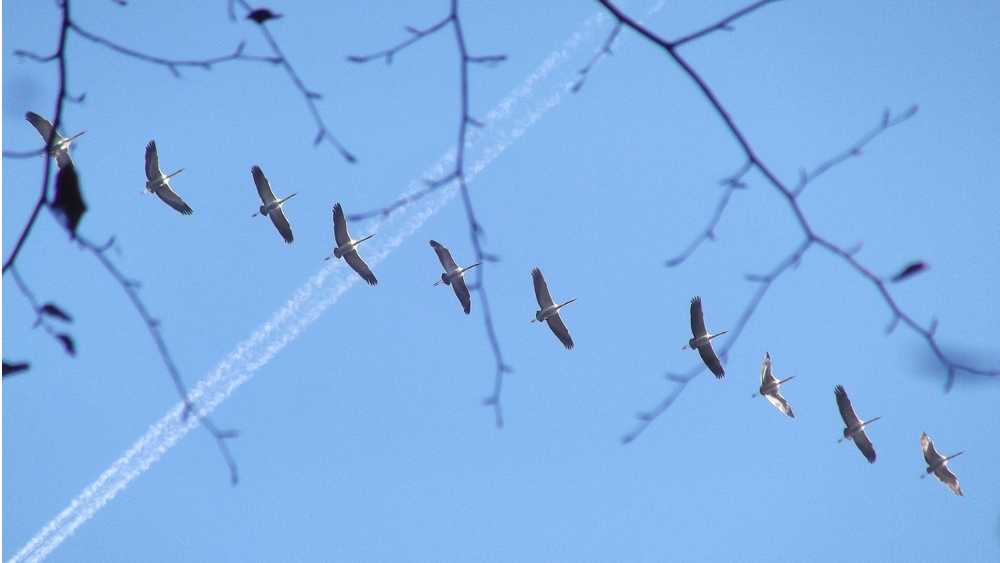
x: 948, y: 478
x: 697, y: 318
x: 711, y: 360
x: 340, y: 234
x: 865, y: 445
x: 559, y: 329
x: 777, y: 400
x: 542, y: 293
x: 444, y: 256
x: 278, y: 218
x: 765, y: 371
x: 462, y: 291
x: 927, y: 445
x: 153, y: 164
x: 63, y: 159
x: 846, y: 410
x: 173, y: 200
x: 43, y: 126
x: 355, y: 261
x: 266, y: 195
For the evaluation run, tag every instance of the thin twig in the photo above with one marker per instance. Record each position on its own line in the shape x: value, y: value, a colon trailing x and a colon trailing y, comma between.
x: 173, y: 64
x: 722, y: 25
x: 604, y: 50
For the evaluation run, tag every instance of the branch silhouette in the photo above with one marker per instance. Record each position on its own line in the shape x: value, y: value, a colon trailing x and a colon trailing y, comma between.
x: 310, y: 96
x: 153, y: 325
x: 476, y: 232
x: 174, y: 66
x: 49, y: 309
x: 791, y: 197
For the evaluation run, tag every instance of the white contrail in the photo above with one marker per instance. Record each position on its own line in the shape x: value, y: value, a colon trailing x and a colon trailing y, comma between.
x: 501, y: 129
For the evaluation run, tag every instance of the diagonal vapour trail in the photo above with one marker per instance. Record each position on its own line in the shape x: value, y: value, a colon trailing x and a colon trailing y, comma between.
x: 542, y: 90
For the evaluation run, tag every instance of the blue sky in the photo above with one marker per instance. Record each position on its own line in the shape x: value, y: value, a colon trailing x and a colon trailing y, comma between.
x: 362, y: 434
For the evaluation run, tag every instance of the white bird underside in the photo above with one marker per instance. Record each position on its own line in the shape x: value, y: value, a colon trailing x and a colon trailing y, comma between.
x: 938, y: 464
x: 347, y: 247
x: 454, y: 275
x: 855, y: 427
x: 272, y: 205
x: 769, y: 388
x: 702, y: 340
x: 59, y: 149
x: 158, y: 183
x: 549, y: 311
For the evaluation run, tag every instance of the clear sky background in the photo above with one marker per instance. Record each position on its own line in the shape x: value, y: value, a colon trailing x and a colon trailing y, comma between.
x: 364, y: 438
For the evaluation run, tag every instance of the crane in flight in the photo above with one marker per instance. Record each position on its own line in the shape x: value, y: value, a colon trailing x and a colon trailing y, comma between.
x: 159, y: 184
x: 702, y: 340
x: 347, y: 248
x: 769, y: 387
x: 454, y: 275
x: 548, y: 311
x: 938, y: 464
x: 271, y: 205
x: 57, y: 145
x: 855, y: 426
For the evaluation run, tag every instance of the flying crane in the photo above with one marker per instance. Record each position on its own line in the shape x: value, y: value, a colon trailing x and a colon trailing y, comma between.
x: 855, y: 426
x: 454, y: 275
x: 548, y: 311
x: 702, y: 340
x: 347, y: 248
x: 159, y: 184
x: 271, y: 205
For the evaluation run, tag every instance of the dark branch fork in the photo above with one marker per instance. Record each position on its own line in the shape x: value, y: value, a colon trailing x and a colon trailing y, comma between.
x: 60, y: 57
x: 457, y: 174
x: 791, y: 197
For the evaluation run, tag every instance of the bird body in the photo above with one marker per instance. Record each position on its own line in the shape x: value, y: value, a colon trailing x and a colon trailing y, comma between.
x: 938, y: 464
x: 58, y: 146
x: 159, y: 183
x: 347, y: 247
x: 769, y: 386
x: 855, y: 427
x: 548, y: 311
x: 454, y: 275
x: 702, y: 340
x: 271, y: 205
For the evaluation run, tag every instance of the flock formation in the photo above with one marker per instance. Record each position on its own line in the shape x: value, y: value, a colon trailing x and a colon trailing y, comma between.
x: 548, y: 312
x: 854, y: 427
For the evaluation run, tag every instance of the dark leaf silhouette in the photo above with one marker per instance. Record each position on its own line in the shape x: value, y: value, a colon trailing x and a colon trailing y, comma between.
x: 67, y: 343
x: 261, y: 15
x: 68, y: 204
x: 910, y: 271
x: 11, y: 369
x: 53, y: 311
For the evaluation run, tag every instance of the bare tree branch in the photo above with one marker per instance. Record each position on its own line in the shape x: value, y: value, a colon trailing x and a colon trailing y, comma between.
x: 310, y: 96
x: 153, y: 326
x: 172, y: 65
x: 476, y: 231
x: 60, y: 57
x: 790, y: 196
